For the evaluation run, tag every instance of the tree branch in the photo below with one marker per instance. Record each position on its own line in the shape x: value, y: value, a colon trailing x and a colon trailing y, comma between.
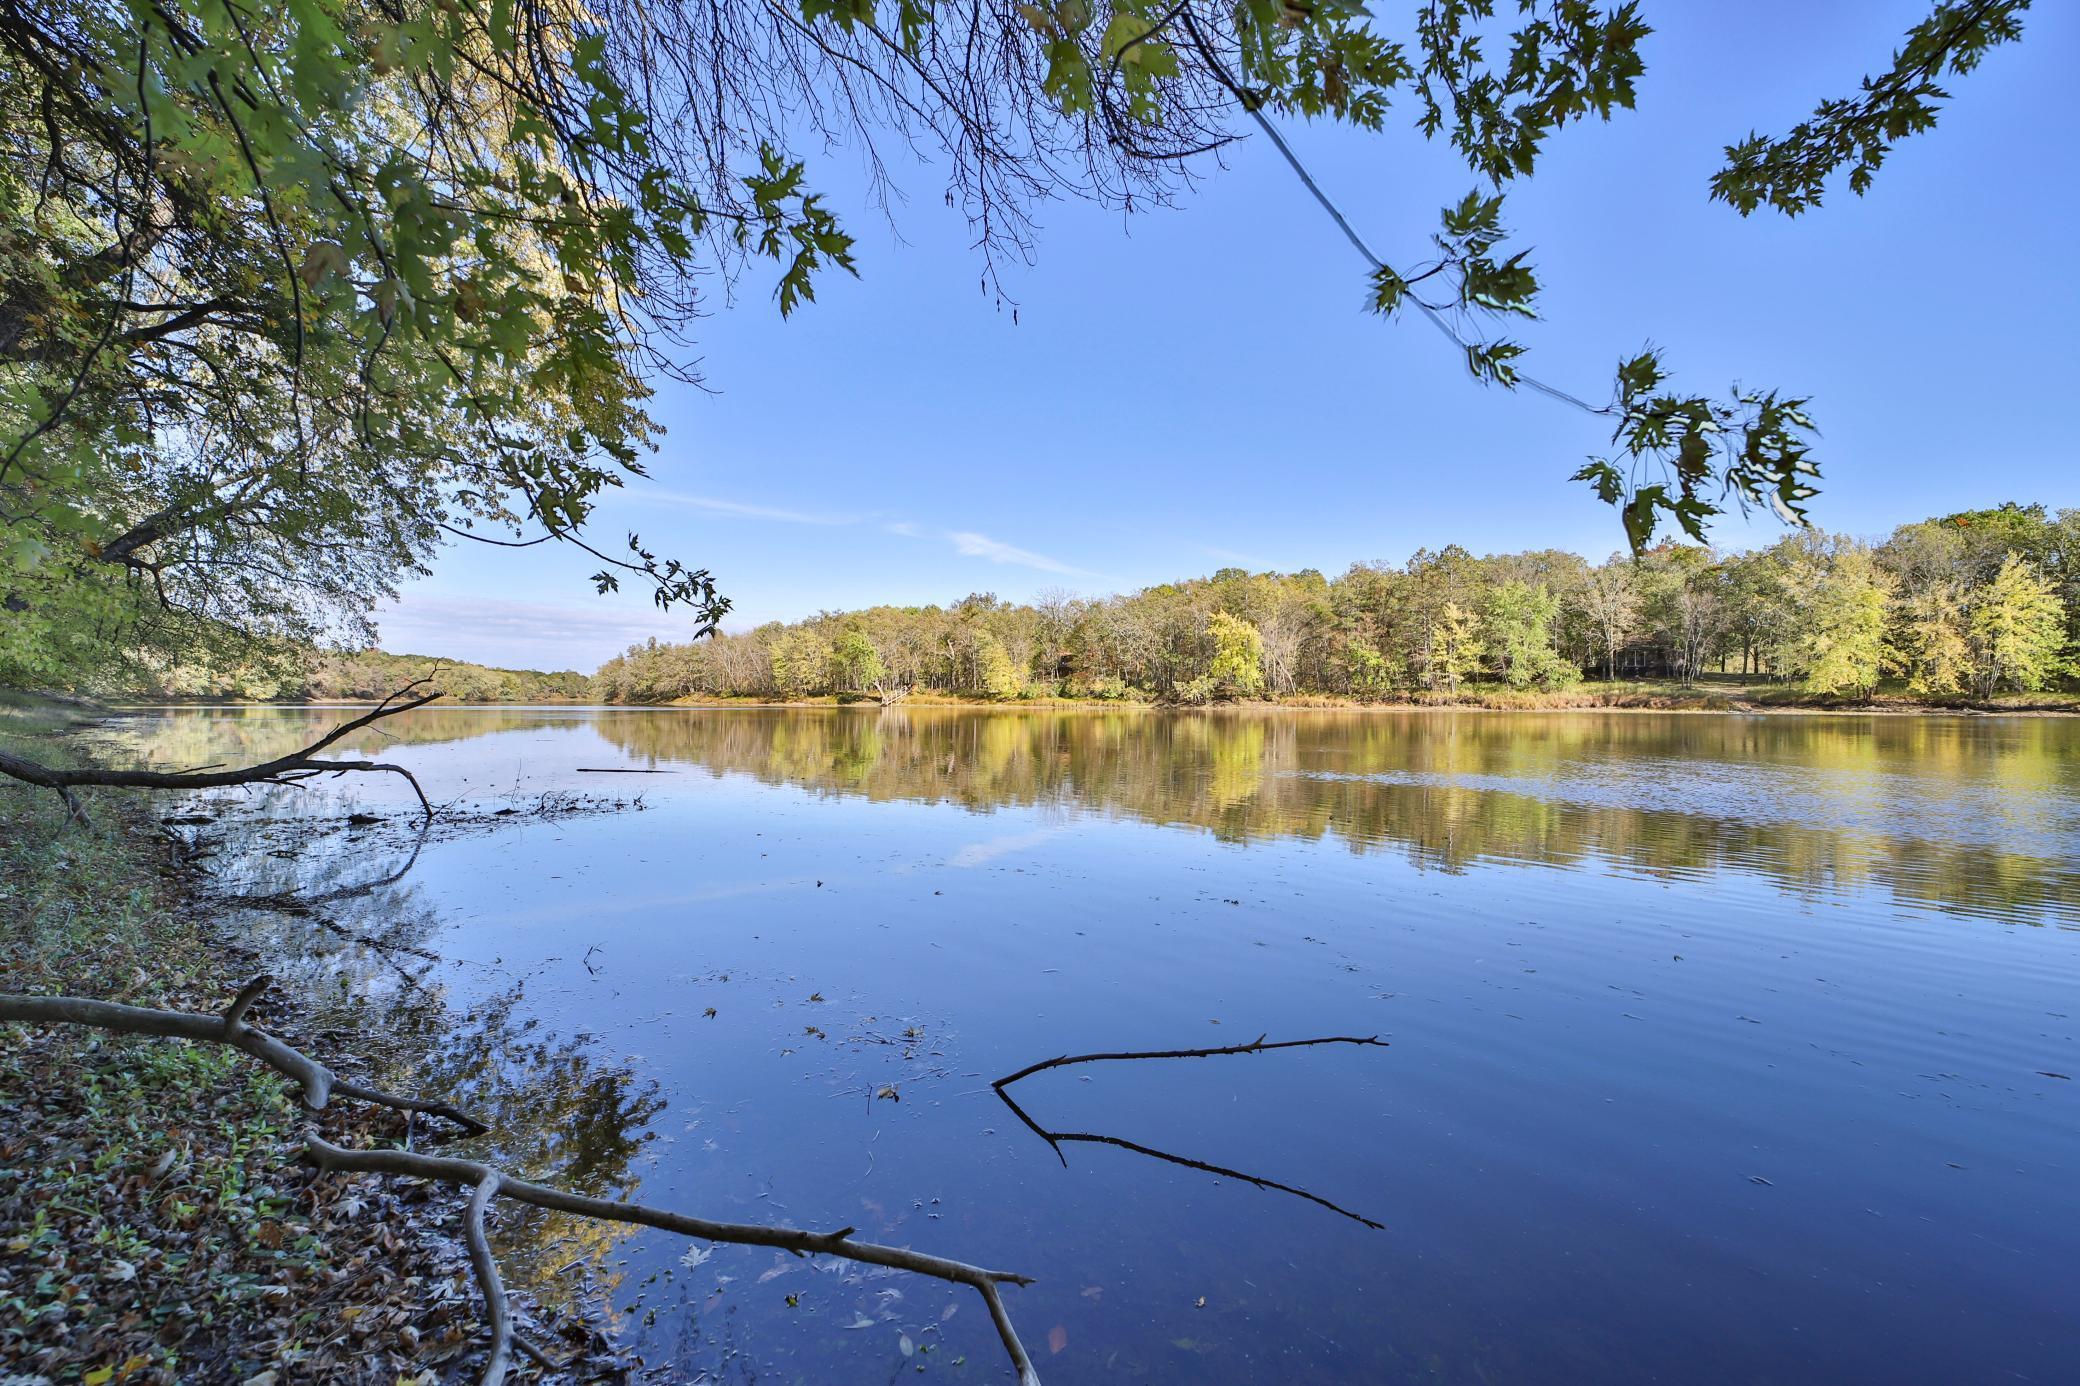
x: 319, y: 1083
x: 496, y: 1308
x: 293, y: 768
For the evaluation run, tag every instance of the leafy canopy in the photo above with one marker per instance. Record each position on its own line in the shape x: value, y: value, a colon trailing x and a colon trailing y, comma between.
x: 291, y: 294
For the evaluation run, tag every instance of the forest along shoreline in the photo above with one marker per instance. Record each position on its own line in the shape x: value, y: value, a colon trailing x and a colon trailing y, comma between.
x: 159, y: 1223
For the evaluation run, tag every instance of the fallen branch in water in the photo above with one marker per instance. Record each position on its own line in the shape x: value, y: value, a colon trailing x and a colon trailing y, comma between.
x: 1055, y: 1139
x: 293, y: 768
x: 1255, y: 1046
x: 319, y: 1084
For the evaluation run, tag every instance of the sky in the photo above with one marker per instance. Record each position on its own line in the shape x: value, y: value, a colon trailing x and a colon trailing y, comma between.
x: 1185, y: 389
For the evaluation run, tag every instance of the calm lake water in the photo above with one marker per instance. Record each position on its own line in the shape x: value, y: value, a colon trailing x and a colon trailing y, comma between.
x: 1719, y: 1048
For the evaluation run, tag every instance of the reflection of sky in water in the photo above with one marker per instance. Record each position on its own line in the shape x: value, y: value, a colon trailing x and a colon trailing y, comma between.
x: 1742, y: 1087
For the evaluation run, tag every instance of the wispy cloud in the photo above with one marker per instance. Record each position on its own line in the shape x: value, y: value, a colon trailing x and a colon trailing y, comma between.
x: 966, y: 542
x: 526, y: 635
x: 717, y: 506
x: 974, y: 545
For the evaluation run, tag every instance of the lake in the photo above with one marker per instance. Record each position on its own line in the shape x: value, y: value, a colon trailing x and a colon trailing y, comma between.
x: 1717, y: 1047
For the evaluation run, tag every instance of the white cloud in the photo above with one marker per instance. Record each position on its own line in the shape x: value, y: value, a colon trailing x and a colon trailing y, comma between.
x: 519, y: 635
x: 749, y: 512
x: 975, y: 545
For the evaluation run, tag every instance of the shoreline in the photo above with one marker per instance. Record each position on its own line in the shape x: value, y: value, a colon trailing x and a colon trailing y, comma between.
x: 276, y: 1254
x: 1699, y: 703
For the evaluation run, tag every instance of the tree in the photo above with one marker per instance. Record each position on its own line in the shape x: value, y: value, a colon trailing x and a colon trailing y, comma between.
x: 2018, y: 631
x: 1238, y: 653
x: 1611, y: 599
x: 288, y: 293
x: 1930, y: 643
x: 997, y: 675
x: 1520, y: 627
x: 856, y: 663
x: 1684, y: 605
x: 1057, y: 609
x: 1838, y: 644
x: 802, y: 662
x: 1447, y: 577
x: 1369, y: 673
x: 1285, y: 612
x: 1455, y: 646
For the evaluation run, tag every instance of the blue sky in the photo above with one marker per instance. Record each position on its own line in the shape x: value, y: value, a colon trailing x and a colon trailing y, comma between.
x: 1191, y: 388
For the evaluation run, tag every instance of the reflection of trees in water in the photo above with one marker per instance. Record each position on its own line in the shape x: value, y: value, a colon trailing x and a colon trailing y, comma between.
x: 1440, y: 786
x: 189, y: 737
x: 348, y: 929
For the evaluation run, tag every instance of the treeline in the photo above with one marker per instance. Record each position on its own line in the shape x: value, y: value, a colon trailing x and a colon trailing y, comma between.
x: 1965, y: 605
x: 323, y: 676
